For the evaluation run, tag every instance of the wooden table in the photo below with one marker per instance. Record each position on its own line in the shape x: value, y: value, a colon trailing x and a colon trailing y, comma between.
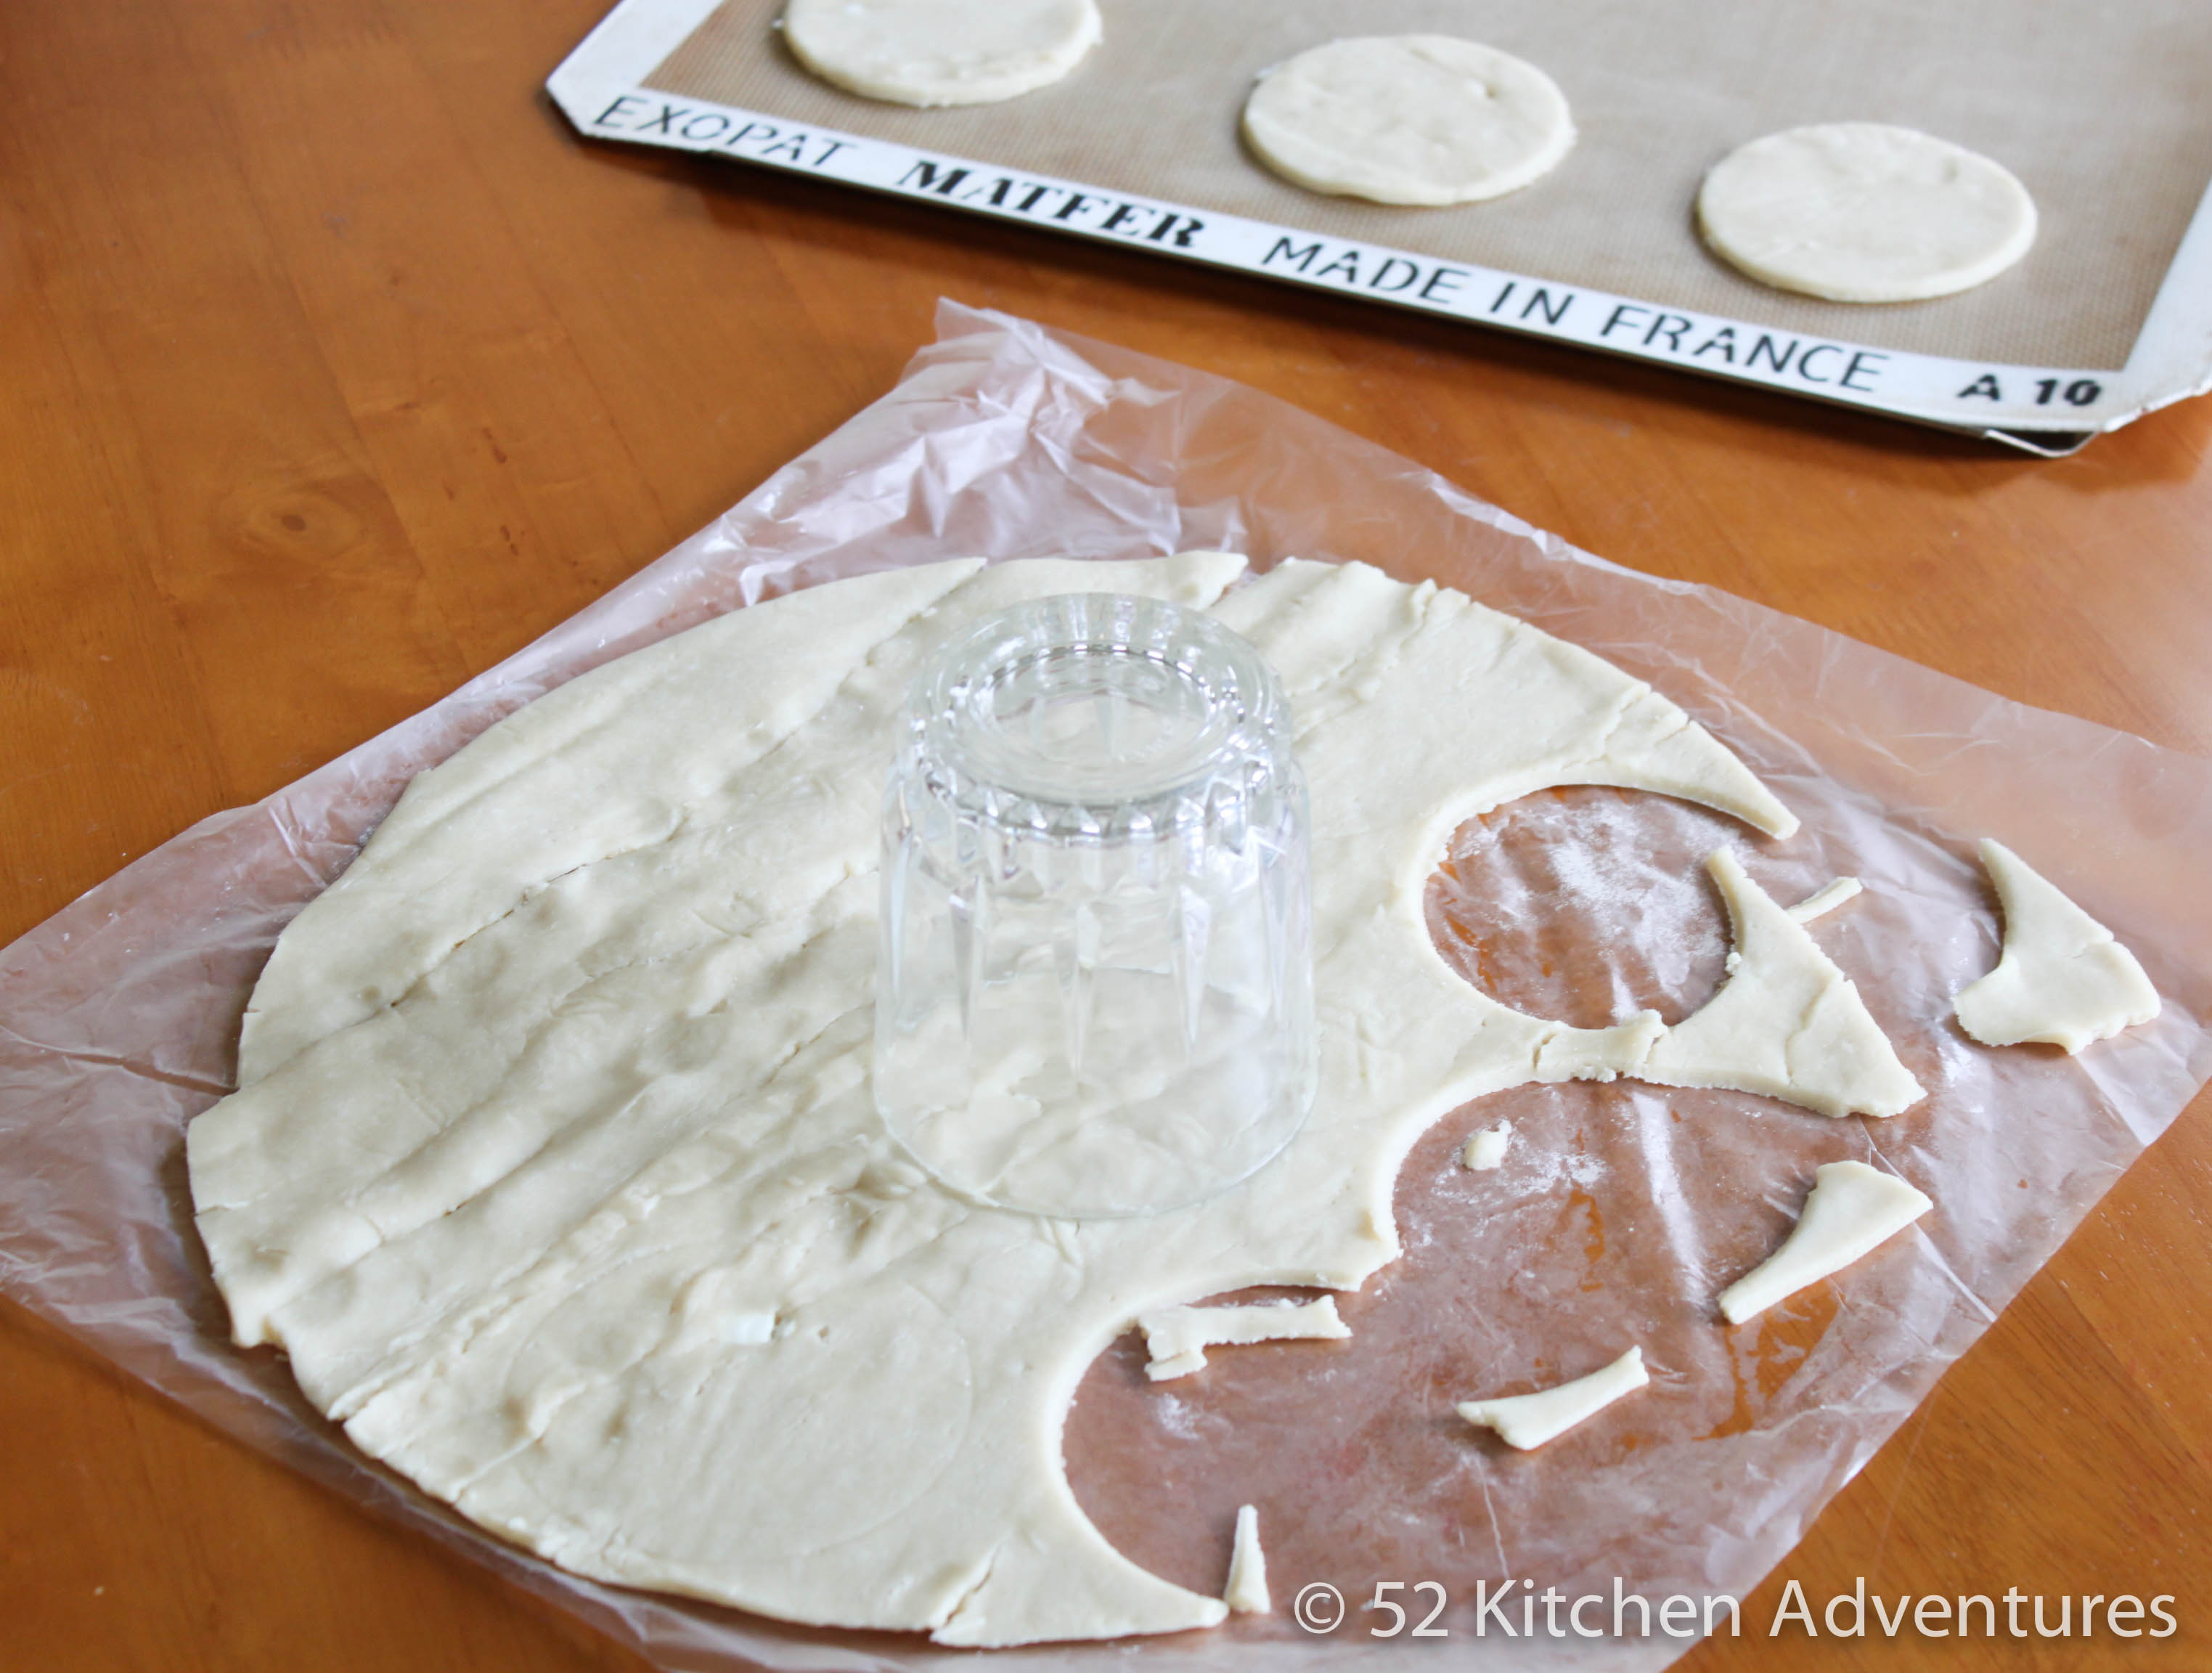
x: 333, y: 368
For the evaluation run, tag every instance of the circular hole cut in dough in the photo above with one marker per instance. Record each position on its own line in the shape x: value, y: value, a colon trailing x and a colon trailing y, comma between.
x: 931, y: 52
x: 1421, y: 120
x: 1865, y: 212
x: 1584, y: 904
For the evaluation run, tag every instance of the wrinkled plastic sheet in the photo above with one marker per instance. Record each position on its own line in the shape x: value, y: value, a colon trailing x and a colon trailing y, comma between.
x: 1621, y: 1210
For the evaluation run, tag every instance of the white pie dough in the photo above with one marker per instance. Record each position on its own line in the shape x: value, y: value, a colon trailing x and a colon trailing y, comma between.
x: 1525, y: 1421
x: 561, y: 1091
x: 1865, y: 212
x: 1246, y: 1593
x: 1423, y: 119
x: 1826, y: 898
x: 2061, y: 979
x: 1852, y: 1208
x: 1176, y: 1339
x: 1486, y: 1151
x: 931, y: 52
x: 1787, y: 1023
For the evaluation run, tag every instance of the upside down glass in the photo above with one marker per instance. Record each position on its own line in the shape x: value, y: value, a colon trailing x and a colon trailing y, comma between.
x: 1095, y: 996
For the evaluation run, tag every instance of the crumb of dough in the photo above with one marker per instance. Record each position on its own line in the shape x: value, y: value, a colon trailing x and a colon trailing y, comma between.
x: 1787, y: 1023
x: 1865, y: 212
x: 935, y: 52
x: 1485, y: 1151
x: 1247, y: 1590
x: 1825, y: 899
x: 1852, y: 1208
x: 1420, y: 120
x: 2061, y: 979
x: 1526, y: 1421
x: 1177, y: 1338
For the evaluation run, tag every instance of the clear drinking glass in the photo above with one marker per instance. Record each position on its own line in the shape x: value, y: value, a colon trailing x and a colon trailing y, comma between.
x: 1096, y: 992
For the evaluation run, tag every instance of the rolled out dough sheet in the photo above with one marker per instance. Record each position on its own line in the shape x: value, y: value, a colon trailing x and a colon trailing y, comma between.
x: 556, y: 1170
x: 931, y: 52
x: 2061, y: 979
x: 1852, y: 1210
x: 1419, y: 119
x: 1526, y: 1421
x: 1865, y: 212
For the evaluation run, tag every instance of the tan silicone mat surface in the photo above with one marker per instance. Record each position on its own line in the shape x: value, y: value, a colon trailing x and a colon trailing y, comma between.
x: 2101, y: 113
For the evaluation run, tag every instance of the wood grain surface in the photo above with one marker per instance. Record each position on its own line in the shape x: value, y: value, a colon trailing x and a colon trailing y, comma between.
x: 333, y: 367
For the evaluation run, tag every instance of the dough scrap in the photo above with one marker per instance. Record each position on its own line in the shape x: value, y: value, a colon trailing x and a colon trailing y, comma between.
x: 935, y: 52
x: 1485, y: 1151
x: 1422, y: 120
x: 563, y: 1086
x: 2061, y: 979
x: 1787, y: 1023
x: 1525, y: 1421
x: 1246, y: 1592
x: 1176, y: 1339
x: 1865, y: 212
x: 1852, y: 1208
x: 1825, y: 899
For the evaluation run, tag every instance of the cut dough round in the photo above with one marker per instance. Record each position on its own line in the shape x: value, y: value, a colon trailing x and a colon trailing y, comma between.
x: 1862, y: 212
x: 940, y: 52
x: 1427, y: 119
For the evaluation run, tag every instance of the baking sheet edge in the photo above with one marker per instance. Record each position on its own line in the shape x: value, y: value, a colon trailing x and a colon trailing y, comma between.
x: 2049, y: 410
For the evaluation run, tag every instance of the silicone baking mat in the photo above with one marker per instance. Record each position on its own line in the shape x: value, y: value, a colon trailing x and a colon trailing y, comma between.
x: 2109, y: 315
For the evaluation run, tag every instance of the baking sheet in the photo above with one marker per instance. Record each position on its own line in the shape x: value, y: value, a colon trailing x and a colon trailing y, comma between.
x: 2106, y: 126
x: 1621, y: 1210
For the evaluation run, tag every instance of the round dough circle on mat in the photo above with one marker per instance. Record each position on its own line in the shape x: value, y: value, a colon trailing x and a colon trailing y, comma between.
x: 1427, y: 119
x: 940, y: 52
x: 1864, y: 212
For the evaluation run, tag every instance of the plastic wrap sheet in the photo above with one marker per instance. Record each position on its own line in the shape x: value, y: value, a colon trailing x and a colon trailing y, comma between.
x: 1620, y: 1211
